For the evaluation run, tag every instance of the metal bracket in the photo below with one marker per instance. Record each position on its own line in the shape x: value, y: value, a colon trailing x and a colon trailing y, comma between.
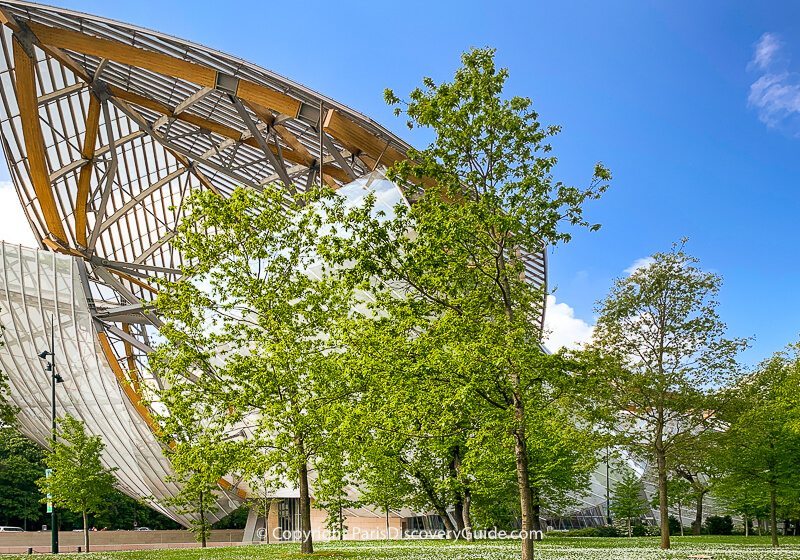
x: 26, y: 39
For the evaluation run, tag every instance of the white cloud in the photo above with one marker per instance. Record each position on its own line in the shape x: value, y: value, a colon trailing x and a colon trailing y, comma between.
x: 644, y: 262
x: 765, y: 51
x: 564, y: 329
x: 14, y: 226
x: 776, y: 92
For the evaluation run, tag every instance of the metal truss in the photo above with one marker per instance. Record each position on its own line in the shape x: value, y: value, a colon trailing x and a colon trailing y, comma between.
x: 108, y: 128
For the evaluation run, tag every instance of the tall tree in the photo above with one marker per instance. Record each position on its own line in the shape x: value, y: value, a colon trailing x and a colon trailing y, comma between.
x: 78, y: 482
x: 679, y: 493
x: 760, y: 450
x: 628, y: 499
x: 248, y: 333
x: 660, y: 330
x: 21, y: 465
x: 693, y: 463
x: 197, y: 497
x: 457, y: 285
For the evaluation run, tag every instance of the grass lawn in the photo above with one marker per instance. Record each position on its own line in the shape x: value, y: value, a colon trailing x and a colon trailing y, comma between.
x: 574, y: 548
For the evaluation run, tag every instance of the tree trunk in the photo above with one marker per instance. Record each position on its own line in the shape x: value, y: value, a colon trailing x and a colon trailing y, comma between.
x: 458, y: 514
x: 203, y: 542
x: 773, y: 521
x: 458, y: 502
x: 629, y: 528
x: 267, y: 508
x: 467, y: 521
x: 663, y: 502
x: 746, y: 526
x: 680, y: 517
x: 307, y: 546
x: 388, y: 535
x: 85, y: 531
x: 758, y: 526
x: 536, y: 508
x: 427, y: 487
x: 698, y: 516
x: 523, y: 482
x: 519, y: 435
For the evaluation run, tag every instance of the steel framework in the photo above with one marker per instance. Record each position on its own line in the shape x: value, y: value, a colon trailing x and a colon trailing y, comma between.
x: 108, y: 127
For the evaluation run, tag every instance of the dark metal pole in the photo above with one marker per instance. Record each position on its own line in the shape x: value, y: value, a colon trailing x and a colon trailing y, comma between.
x: 54, y: 519
x: 608, y: 499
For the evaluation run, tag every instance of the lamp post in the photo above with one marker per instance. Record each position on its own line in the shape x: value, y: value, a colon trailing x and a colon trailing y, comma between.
x: 54, y: 378
x: 608, y: 496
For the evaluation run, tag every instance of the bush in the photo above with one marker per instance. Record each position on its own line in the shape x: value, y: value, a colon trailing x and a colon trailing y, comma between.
x: 716, y: 525
x: 674, y: 525
x: 558, y: 534
x: 639, y: 531
x: 608, y: 531
x: 587, y: 532
x: 653, y: 530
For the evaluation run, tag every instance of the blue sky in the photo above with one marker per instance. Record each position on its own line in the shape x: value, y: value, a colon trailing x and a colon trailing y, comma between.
x: 703, y: 137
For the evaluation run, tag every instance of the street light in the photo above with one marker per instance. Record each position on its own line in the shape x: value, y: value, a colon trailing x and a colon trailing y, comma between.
x: 54, y: 378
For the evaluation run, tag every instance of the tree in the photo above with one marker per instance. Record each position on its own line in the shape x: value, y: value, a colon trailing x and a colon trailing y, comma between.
x: 456, y: 287
x: 660, y: 331
x: 679, y: 491
x: 198, y: 495
x: 21, y: 464
x: 628, y: 501
x: 79, y: 482
x: 760, y: 451
x: 248, y: 336
x: 692, y: 462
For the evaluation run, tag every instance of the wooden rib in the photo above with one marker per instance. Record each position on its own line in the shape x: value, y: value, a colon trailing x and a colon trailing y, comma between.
x: 126, y: 54
x: 161, y: 63
x: 132, y: 395
x: 278, y: 102
x: 265, y: 115
x: 217, y: 128
x: 28, y: 104
x: 330, y: 181
x: 357, y: 139
x: 133, y: 280
x: 132, y: 371
x: 85, y: 177
x: 364, y: 144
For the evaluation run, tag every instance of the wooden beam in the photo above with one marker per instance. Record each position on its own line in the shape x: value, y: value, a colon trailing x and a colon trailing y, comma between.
x: 125, y: 383
x: 278, y: 102
x: 125, y: 54
x: 267, y: 117
x: 361, y: 142
x: 132, y: 371
x: 161, y: 63
x: 133, y: 280
x: 28, y: 104
x: 357, y: 139
x: 200, y: 122
x: 85, y: 177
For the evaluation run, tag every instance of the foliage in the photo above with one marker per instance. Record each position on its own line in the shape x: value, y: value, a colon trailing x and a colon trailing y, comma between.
x: 666, y: 359
x: 717, y: 525
x: 248, y: 339
x: 198, y: 495
x: 627, y: 500
x: 759, y: 453
x: 79, y: 481
x: 454, y: 292
x: 21, y: 464
x: 674, y: 525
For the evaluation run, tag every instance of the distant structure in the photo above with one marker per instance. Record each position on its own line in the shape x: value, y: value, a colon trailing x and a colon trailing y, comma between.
x: 107, y: 128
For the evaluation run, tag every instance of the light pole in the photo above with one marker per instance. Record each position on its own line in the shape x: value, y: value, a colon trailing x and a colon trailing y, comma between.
x: 608, y: 497
x: 54, y: 378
